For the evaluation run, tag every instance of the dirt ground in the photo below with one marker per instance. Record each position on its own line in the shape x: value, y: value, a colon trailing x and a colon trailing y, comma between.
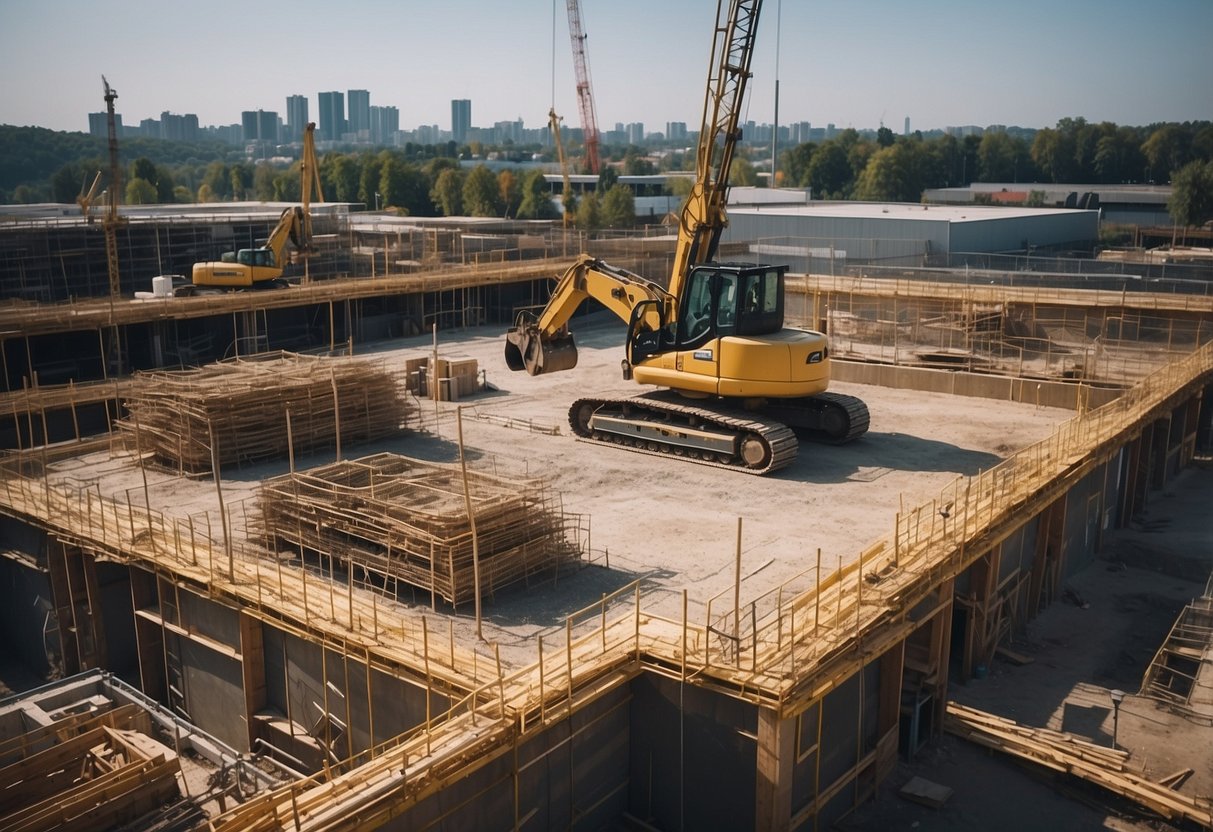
x: 1079, y: 654
x: 671, y: 524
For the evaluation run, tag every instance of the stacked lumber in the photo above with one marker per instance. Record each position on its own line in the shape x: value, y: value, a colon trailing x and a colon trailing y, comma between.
x: 96, y: 779
x: 242, y: 407
x: 408, y: 520
x: 1066, y: 754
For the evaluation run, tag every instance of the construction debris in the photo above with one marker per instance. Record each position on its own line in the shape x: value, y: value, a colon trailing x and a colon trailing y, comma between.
x: 1106, y: 767
x: 259, y: 408
x: 408, y: 520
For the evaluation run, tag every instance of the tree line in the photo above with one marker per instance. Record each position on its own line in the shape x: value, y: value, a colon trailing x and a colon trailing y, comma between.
x: 427, y: 180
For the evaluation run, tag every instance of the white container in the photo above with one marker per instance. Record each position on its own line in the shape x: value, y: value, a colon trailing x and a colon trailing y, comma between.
x: 162, y: 286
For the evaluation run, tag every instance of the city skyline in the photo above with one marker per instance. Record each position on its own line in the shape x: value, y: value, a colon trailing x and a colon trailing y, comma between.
x: 944, y: 63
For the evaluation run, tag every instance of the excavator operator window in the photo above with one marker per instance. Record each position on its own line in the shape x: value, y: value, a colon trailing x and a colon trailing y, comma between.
x: 696, y: 321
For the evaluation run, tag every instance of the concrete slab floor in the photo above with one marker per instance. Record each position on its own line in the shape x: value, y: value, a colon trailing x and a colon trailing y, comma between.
x: 671, y: 523
x: 1079, y: 653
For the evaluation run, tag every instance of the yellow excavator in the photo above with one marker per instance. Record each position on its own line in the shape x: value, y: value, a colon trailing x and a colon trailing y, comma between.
x: 738, y: 384
x: 261, y: 268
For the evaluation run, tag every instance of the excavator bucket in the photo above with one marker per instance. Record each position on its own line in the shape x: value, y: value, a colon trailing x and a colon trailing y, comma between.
x: 526, y: 349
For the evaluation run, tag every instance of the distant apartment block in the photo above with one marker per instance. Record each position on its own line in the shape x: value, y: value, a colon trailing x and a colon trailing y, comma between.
x: 332, y: 116
x: 260, y: 126
x: 358, y: 114
x: 385, y: 124
x: 461, y: 119
x: 296, y: 116
x: 99, y: 127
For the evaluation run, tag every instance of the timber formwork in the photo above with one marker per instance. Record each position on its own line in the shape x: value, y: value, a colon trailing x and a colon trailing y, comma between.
x: 263, y: 407
x: 818, y: 674
x: 421, y: 523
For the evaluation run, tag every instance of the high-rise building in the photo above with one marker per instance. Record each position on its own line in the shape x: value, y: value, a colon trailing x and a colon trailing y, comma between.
x: 385, y: 124
x: 98, y: 125
x: 907, y: 130
x: 676, y: 131
x: 296, y: 116
x: 332, y: 116
x: 178, y: 128
x: 260, y: 125
x: 358, y: 107
x: 461, y: 119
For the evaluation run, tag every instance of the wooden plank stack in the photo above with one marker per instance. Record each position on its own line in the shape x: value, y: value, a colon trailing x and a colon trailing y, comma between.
x: 407, y: 520
x: 241, y: 406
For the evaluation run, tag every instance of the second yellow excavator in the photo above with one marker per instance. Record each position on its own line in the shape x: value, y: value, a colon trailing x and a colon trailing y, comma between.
x: 262, y: 268
x: 737, y: 381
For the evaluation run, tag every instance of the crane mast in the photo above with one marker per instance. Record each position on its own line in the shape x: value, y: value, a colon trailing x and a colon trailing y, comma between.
x: 585, y: 95
x: 703, y: 214
x: 110, y: 223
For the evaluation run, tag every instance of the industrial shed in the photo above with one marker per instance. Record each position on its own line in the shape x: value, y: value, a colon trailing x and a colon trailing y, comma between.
x: 825, y: 236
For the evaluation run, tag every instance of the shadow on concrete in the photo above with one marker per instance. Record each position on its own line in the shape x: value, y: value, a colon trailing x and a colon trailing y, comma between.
x: 875, y: 454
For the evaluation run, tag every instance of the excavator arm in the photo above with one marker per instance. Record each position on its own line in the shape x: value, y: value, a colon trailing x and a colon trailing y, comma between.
x: 543, y: 344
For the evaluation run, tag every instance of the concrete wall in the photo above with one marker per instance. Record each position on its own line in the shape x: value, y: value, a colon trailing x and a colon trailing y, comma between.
x: 960, y: 383
x: 572, y: 775
x: 693, y: 756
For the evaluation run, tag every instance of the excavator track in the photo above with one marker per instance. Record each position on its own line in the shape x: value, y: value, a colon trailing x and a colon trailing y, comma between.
x: 833, y: 418
x: 654, y: 425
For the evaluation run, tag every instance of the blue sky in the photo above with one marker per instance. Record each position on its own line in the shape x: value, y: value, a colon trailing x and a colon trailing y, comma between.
x: 859, y: 63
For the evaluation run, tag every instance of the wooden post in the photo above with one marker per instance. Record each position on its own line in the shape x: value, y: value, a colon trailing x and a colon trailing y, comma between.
x: 737, y: 598
x: 467, y: 500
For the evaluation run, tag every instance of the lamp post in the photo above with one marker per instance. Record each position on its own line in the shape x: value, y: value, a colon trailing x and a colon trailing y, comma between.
x: 1118, y: 696
x: 376, y: 200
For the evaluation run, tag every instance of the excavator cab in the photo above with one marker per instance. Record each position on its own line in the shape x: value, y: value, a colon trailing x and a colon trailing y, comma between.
x: 729, y: 299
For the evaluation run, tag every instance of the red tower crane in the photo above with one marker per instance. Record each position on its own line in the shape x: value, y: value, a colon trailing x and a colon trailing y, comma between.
x: 585, y: 95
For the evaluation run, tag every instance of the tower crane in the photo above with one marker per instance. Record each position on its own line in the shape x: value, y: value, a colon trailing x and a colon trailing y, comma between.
x: 566, y: 198
x: 738, y: 383
x: 585, y: 95
x: 111, y: 221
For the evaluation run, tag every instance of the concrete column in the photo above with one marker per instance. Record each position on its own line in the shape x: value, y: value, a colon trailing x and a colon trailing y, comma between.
x: 776, y: 757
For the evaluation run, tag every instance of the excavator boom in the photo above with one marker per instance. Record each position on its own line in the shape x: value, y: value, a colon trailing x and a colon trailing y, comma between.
x: 738, y: 382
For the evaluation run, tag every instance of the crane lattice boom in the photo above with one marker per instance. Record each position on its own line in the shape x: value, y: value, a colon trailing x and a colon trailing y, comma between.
x: 585, y: 95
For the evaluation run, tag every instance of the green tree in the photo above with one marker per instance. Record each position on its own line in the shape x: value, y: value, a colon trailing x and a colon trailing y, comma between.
x: 1165, y: 151
x: 607, y: 179
x: 1191, y: 200
x: 165, y: 183
x: 143, y: 168
x: 829, y: 171
x: 69, y: 181
x: 341, y: 174
x: 414, y: 192
x: 619, y: 207
x: 510, y: 192
x: 218, y: 183
x: 371, y: 176
x: 183, y: 194
x: 263, y: 182
x: 393, y: 183
x: 999, y: 157
x: 742, y: 173
x: 794, y: 165
x: 481, y: 197
x: 140, y: 192
x: 885, y: 137
x: 589, y: 215
x: 447, y: 193
x: 536, y: 203
x: 242, y: 180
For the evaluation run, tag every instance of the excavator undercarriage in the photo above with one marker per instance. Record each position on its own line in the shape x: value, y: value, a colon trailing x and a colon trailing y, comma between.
x: 758, y: 441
